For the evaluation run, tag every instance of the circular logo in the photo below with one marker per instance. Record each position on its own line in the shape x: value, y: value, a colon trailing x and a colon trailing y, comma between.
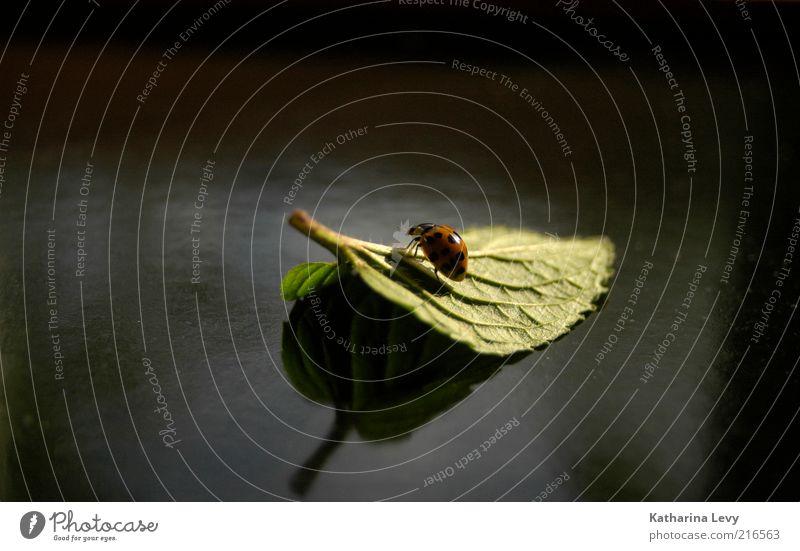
x: 31, y: 524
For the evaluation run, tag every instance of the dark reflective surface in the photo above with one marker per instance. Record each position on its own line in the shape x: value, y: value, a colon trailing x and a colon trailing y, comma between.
x: 174, y: 388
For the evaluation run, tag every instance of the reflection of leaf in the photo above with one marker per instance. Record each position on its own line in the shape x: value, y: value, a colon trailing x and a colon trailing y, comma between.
x: 523, y: 289
x: 304, y: 278
x: 385, y: 371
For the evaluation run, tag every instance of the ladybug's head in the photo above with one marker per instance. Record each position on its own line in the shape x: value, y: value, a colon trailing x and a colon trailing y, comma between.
x: 419, y: 229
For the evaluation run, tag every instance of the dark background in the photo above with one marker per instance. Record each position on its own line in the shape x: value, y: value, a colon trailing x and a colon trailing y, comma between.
x: 257, y: 91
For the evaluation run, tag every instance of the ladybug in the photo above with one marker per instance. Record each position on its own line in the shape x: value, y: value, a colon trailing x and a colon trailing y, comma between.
x: 442, y: 245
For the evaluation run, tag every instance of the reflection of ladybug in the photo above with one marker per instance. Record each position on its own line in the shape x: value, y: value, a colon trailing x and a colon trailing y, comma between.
x: 443, y: 247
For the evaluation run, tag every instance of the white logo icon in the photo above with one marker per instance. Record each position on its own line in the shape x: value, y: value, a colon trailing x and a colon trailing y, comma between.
x: 400, y: 244
x: 31, y: 524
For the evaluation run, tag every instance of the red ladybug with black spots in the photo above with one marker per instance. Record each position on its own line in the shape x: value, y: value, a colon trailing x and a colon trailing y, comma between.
x: 442, y: 245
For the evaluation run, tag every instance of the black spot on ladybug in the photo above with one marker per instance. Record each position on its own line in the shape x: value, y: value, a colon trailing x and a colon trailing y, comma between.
x: 433, y: 257
x: 452, y: 238
x: 461, y: 270
x: 445, y: 251
x: 449, y: 267
x: 429, y: 239
x: 438, y: 235
x: 459, y: 257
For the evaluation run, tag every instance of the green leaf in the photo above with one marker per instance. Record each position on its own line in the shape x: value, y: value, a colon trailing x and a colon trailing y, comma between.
x: 522, y: 290
x: 304, y: 278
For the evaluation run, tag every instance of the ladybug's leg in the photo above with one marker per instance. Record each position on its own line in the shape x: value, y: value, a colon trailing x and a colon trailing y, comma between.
x: 415, y: 240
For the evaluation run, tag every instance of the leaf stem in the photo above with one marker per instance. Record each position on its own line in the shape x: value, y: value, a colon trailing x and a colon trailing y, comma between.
x: 332, y: 240
x: 320, y: 233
